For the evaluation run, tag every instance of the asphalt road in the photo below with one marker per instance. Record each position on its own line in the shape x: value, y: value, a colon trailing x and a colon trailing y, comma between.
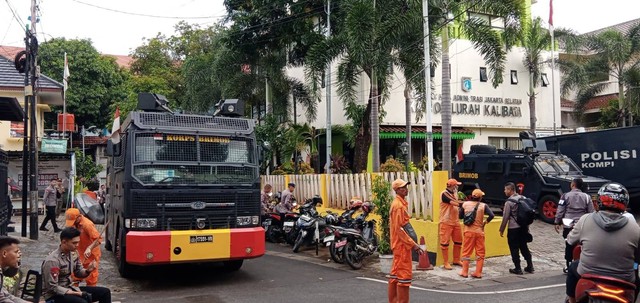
x: 277, y: 278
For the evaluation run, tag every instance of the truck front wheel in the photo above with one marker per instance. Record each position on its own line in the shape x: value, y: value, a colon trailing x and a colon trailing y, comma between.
x: 233, y: 265
x: 547, y: 208
x: 124, y: 268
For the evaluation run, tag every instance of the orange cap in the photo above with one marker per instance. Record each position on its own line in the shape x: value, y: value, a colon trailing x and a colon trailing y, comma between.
x: 477, y: 193
x: 398, y: 183
x: 453, y: 182
x: 72, y: 214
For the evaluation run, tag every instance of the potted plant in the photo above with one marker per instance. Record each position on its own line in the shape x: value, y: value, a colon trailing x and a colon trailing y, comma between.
x: 382, y: 199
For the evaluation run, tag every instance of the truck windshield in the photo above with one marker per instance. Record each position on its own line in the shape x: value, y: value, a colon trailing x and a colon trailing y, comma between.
x: 556, y: 165
x: 193, y: 159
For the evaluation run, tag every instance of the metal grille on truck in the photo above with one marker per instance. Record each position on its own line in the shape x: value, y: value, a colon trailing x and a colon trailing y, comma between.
x: 173, y: 121
x: 175, y: 211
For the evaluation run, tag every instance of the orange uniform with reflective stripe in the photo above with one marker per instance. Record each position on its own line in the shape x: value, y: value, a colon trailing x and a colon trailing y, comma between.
x: 474, y: 238
x: 88, y: 234
x: 448, y: 211
x: 401, y: 243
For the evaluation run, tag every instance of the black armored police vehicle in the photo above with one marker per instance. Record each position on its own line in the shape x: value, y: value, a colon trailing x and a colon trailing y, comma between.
x: 539, y: 174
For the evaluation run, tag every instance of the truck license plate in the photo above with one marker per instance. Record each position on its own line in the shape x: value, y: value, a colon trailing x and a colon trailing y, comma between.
x: 289, y: 223
x: 201, y: 239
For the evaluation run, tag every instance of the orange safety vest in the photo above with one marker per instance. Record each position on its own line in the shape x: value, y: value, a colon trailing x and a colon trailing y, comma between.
x: 477, y: 226
x: 449, y: 212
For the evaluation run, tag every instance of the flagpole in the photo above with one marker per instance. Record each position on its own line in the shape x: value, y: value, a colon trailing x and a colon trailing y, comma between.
x: 553, y: 65
x: 64, y: 99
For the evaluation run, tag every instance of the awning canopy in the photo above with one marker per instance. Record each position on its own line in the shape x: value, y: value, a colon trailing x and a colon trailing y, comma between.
x: 419, y: 132
x: 10, y: 110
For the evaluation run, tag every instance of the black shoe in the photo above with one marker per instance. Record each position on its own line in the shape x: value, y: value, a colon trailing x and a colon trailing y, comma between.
x: 59, y: 230
x: 529, y: 269
x: 565, y: 270
x: 11, y: 222
x: 44, y: 229
x: 516, y: 271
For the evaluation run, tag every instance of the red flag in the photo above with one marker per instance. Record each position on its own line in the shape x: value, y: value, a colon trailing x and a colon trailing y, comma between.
x: 551, y: 12
x: 459, y: 155
x: 115, y: 129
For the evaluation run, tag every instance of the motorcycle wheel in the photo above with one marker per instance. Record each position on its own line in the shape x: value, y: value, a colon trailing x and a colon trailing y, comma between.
x: 291, y: 236
x: 352, y: 256
x: 298, y: 243
x: 270, y: 234
x: 337, y: 254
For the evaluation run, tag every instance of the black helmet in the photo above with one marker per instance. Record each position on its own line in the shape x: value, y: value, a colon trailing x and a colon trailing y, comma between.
x: 613, y: 196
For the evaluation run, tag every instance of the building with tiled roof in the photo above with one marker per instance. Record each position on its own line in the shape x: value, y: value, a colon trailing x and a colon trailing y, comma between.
x: 10, y: 52
x: 593, y: 107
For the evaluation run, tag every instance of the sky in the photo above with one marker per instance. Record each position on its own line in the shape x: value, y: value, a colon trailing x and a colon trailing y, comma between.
x: 116, y: 29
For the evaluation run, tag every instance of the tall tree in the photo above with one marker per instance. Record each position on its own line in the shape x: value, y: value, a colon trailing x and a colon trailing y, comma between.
x: 534, y: 39
x: 491, y: 41
x: 95, y: 80
x: 364, y: 41
x: 264, y: 38
x: 596, y: 57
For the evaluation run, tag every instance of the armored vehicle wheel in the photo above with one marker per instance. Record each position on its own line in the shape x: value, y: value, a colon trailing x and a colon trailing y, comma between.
x: 547, y: 207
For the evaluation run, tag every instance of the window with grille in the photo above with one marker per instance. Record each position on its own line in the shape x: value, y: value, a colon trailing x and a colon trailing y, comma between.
x: 506, y: 143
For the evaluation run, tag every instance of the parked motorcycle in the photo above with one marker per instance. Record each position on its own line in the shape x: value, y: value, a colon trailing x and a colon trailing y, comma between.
x: 361, y: 242
x: 278, y: 225
x: 599, y: 288
x: 311, y: 227
x: 336, y: 240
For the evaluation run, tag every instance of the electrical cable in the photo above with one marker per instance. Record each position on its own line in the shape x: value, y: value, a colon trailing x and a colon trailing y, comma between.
x: 144, y: 15
x: 15, y: 16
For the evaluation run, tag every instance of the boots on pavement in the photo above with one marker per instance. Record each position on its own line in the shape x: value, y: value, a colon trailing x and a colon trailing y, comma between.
x: 457, y: 248
x: 403, y: 294
x: 479, y: 265
x: 465, y: 269
x: 392, y: 290
x: 445, y: 257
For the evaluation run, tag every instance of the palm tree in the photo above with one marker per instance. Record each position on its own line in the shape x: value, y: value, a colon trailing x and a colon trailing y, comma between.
x: 534, y: 40
x: 596, y: 57
x: 365, y: 36
x: 492, y: 43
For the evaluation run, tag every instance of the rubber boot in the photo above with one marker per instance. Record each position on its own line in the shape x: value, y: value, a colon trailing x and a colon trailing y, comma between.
x: 456, y: 254
x: 479, y: 265
x: 392, y: 290
x: 465, y: 269
x: 403, y: 294
x: 445, y: 257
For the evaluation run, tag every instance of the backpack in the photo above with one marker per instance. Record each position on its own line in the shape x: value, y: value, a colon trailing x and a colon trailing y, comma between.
x: 525, y: 212
x: 470, y: 217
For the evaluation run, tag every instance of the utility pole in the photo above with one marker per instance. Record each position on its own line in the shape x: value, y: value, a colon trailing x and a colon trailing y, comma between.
x: 33, y: 149
x: 25, y: 136
x: 427, y: 85
x: 327, y: 80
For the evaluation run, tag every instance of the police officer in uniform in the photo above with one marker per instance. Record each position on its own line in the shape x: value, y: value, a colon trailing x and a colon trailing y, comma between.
x: 56, y: 274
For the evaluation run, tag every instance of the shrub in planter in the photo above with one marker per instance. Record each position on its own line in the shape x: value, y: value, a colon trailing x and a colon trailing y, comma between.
x: 382, y: 200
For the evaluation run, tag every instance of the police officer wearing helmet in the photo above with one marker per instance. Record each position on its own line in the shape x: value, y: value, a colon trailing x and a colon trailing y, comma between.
x: 609, y: 240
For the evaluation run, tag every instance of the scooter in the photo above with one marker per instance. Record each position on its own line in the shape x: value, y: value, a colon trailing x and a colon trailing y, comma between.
x: 311, y: 226
x: 599, y: 288
x: 336, y: 240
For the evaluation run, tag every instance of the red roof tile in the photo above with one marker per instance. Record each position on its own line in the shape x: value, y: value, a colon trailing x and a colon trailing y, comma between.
x: 10, y: 52
x: 600, y: 101
x: 567, y: 103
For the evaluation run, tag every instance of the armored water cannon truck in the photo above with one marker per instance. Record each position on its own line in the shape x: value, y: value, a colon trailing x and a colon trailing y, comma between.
x: 538, y: 173
x: 183, y: 188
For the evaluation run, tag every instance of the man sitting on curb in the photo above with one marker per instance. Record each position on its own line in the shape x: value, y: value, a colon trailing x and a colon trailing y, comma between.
x: 56, y: 274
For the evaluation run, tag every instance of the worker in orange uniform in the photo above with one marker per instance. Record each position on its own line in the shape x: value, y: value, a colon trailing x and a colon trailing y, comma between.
x: 402, y: 244
x: 449, y: 224
x: 89, y: 247
x: 474, y: 233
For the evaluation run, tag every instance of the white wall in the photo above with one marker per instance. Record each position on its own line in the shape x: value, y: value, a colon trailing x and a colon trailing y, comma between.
x: 465, y: 62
